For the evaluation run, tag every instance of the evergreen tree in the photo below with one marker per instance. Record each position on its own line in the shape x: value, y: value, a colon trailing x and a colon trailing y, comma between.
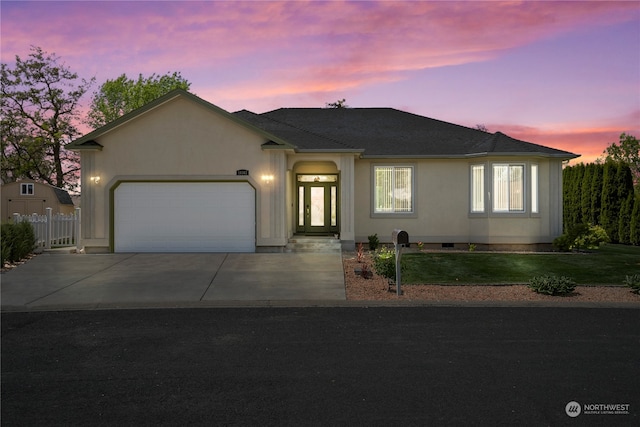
x: 585, y: 197
x: 575, y: 207
x: 624, y: 221
x: 567, y: 175
x: 610, y: 201
x: 596, y: 193
x: 634, y: 228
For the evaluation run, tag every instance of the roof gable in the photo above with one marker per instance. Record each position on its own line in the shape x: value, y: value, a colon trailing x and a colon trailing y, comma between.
x: 87, y: 142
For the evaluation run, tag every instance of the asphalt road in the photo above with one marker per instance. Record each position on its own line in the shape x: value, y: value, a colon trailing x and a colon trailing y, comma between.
x: 352, y: 366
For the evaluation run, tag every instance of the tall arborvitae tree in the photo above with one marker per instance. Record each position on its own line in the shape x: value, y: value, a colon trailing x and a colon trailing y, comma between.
x: 567, y: 175
x: 610, y: 201
x: 624, y: 220
x: 596, y: 193
x: 624, y: 181
x: 575, y: 185
x: 634, y: 229
x: 585, y: 197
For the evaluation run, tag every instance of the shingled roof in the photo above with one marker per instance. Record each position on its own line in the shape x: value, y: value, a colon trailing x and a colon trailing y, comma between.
x: 388, y: 133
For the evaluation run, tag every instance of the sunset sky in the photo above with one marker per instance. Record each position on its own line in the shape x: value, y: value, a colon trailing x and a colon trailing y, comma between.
x: 561, y: 74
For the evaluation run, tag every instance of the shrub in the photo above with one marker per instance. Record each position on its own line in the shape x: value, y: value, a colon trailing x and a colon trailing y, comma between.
x: 582, y: 236
x: 633, y: 282
x: 552, y: 285
x: 373, y: 242
x: 384, y: 262
x: 592, y: 238
x: 18, y: 241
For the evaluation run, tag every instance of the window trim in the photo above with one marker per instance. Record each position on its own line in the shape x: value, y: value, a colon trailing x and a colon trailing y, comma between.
x: 414, y: 192
x: 525, y: 186
x: 472, y: 194
x: 530, y: 200
x: 27, y: 189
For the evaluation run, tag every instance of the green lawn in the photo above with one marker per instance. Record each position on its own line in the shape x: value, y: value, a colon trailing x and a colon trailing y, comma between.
x: 608, y: 265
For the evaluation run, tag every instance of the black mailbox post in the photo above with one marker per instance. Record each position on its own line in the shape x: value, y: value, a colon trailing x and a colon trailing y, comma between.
x: 399, y: 238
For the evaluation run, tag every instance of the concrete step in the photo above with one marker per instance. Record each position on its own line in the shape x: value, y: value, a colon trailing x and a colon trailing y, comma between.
x: 319, y: 244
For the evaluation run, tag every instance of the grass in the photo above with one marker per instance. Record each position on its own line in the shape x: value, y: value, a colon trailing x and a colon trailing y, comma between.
x: 607, y: 266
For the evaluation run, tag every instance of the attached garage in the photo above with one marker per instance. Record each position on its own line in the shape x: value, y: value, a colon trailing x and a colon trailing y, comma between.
x: 184, y: 217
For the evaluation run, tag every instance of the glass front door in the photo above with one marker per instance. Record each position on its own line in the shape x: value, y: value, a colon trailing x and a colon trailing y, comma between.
x: 317, y: 204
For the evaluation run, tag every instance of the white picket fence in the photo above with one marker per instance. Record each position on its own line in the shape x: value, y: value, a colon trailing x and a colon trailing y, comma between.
x: 54, y: 230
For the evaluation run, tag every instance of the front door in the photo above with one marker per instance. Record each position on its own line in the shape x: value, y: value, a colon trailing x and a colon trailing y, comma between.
x: 317, y: 204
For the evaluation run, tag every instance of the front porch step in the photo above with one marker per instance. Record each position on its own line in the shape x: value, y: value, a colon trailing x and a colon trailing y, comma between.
x: 318, y: 244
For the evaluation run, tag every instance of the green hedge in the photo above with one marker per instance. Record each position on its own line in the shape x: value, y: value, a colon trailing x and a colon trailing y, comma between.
x: 16, y: 241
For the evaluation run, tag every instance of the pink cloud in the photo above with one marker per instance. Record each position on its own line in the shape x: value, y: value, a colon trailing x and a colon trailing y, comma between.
x: 346, y: 44
x: 589, y: 141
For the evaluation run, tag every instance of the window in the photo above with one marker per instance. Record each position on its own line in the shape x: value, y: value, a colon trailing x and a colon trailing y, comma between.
x: 393, y: 189
x: 534, y: 188
x: 26, y: 189
x: 508, y: 188
x: 477, y: 188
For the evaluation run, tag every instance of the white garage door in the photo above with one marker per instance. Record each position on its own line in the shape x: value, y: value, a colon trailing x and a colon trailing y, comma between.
x: 184, y: 217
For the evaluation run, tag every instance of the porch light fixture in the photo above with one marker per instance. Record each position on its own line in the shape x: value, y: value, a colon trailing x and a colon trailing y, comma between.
x: 267, y: 179
x: 95, y: 179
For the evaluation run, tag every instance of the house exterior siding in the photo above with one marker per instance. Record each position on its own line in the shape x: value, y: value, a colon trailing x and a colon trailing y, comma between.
x: 182, y: 138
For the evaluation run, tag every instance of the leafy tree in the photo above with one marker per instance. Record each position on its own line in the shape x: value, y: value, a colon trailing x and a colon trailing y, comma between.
x: 340, y: 103
x: 39, y: 109
x: 117, y: 97
x: 626, y: 151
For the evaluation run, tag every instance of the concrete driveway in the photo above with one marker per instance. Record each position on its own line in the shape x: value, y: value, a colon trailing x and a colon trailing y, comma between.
x: 146, y: 280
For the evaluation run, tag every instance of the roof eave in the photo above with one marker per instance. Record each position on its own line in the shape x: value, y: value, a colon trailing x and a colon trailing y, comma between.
x: 563, y: 156
x: 330, y: 150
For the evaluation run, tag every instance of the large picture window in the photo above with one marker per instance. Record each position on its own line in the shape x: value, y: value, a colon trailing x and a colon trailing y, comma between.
x: 508, y: 188
x: 393, y: 189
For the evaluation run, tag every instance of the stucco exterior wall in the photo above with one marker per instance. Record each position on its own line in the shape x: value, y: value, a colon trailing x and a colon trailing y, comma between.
x: 181, y: 141
x: 442, y: 205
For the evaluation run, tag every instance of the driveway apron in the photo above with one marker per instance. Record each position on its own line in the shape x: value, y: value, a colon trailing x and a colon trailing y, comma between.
x: 77, y: 280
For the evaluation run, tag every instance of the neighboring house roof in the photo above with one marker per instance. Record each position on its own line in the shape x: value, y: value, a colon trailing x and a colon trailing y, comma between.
x: 371, y: 132
x: 63, y: 196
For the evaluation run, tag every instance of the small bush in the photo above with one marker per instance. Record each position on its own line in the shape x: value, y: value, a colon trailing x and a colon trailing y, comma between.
x: 582, y: 236
x: 18, y: 241
x: 633, y: 282
x: 552, y: 285
x: 373, y: 242
x: 384, y: 263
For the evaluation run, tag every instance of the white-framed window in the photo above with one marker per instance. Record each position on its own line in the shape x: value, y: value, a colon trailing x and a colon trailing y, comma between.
x: 393, y: 189
x: 534, y: 189
x: 477, y: 189
x: 508, y: 188
x: 26, y: 189
x: 504, y: 188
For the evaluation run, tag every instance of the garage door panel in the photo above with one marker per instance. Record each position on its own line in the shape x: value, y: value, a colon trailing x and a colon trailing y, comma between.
x: 184, y: 217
